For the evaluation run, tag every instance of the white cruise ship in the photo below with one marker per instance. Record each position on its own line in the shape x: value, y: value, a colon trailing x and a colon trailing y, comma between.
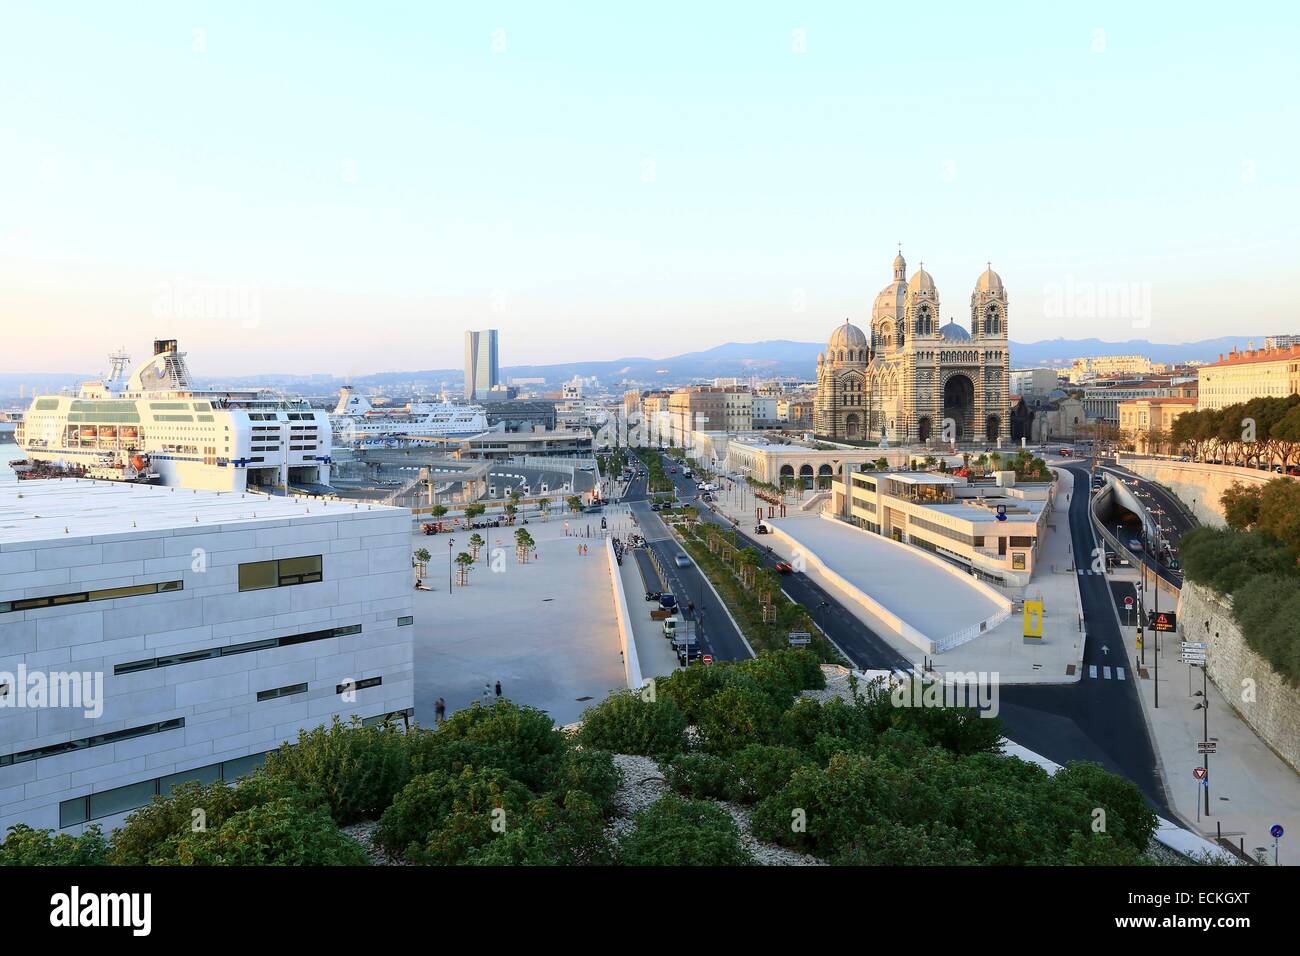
x: 157, y: 427
x: 356, y: 420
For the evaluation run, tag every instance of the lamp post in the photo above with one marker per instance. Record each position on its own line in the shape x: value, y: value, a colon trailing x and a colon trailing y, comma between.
x: 450, y: 563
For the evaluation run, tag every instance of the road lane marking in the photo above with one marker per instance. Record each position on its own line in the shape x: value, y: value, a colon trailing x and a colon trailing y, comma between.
x: 1105, y: 672
x: 1092, y: 670
x: 1119, y: 672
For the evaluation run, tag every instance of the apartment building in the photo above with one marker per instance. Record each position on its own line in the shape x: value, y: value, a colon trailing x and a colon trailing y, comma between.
x: 1241, y: 376
x: 1139, y: 419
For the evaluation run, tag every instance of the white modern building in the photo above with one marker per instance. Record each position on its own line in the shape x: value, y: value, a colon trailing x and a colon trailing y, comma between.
x: 151, y: 636
x: 481, y: 369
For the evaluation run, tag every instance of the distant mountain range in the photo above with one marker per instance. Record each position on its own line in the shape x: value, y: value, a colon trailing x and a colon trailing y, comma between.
x: 777, y: 357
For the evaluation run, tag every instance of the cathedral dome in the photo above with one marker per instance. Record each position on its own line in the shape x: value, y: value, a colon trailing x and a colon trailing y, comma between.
x: 989, y: 281
x: 921, y: 282
x: 847, y: 336
x: 952, y: 332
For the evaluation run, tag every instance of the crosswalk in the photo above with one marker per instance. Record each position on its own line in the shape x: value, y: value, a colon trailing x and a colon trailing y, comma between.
x: 1106, y: 672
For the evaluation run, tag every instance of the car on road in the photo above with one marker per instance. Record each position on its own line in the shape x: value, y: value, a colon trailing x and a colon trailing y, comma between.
x: 593, y: 509
x: 783, y: 567
x: 1134, y: 544
x: 683, y: 561
x: 667, y: 601
x: 761, y: 528
x: 655, y: 506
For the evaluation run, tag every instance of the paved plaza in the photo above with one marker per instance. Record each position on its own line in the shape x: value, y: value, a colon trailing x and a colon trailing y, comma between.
x: 546, y: 629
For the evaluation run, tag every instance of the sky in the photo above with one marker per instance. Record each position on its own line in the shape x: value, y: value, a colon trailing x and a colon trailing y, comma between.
x: 347, y: 187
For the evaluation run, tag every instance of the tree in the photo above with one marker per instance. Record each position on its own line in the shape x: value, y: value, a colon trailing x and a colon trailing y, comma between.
x: 1241, y: 505
x: 438, y: 511
x: 422, y: 559
x: 574, y: 502
x: 24, y: 846
x: 464, y: 564
x: 511, y: 510
x: 524, y: 544
x: 281, y: 832
x: 475, y: 544
x: 475, y: 510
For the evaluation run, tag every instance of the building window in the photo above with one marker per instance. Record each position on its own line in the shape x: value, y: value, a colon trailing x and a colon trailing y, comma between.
x: 257, y: 575
x: 405, y: 621
x: 53, y: 750
x: 358, y: 685
x: 189, y: 657
x: 289, y: 690
x: 79, y: 597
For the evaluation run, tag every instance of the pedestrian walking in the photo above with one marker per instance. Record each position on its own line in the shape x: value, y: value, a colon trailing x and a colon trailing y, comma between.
x: 498, y: 690
x: 439, y: 711
x: 487, y: 695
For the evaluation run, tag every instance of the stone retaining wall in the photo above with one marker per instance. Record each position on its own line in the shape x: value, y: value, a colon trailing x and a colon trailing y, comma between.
x: 1274, y: 711
x: 1197, y: 485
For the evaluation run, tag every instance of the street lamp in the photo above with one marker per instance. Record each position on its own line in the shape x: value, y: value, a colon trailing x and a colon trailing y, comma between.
x: 450, y: 543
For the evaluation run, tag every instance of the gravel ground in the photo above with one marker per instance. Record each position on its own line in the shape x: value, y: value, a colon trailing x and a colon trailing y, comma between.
x: 364, y: 833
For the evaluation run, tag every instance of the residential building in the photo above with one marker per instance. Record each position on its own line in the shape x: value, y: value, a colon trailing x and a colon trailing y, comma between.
x: 1143, y: 417
x: 1034, y: 381
x: 1241, y: 376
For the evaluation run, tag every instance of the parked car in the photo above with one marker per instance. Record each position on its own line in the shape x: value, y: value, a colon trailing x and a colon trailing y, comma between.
x: 783, y: 567
x: 667, y: 601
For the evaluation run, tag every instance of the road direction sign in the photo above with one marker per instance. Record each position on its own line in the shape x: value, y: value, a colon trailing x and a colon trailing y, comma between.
x: 1200, y: 773
x: 799, y: 637
x: 1207, y: 746
x: 1195, y: 645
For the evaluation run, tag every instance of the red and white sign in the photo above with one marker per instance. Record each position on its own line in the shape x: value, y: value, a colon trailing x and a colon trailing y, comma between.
x: 1200, y: 773
x: 1128, y: 602
x: 708, y: 658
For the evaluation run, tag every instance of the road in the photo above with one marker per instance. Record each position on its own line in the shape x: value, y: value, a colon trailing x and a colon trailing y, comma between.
x: 1168, y: 513
x: 1099, y: 718
x: 866, y: 649
x: 717, y: 634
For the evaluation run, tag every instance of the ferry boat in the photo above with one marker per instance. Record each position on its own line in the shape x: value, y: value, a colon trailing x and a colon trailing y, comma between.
x: 156, y: 426
x: 355, y: 420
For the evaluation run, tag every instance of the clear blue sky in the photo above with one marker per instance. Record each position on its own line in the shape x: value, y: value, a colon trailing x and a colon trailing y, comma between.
x: 358, y: 183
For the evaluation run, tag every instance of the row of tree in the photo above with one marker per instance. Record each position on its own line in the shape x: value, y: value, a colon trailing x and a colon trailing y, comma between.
x: 1260, y: 431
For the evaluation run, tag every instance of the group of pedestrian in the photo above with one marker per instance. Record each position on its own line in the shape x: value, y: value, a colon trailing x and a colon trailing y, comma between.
x: 582, y: 549
x: 491, y: 694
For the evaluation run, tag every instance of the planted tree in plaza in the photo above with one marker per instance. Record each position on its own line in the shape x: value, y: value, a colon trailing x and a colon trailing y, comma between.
x: 475, y: 544
x: 422, y: 558
x: 574, y: 502
x: 438, y: 511
x: 511, y: 510
x: 524, y: 543
x: 475, y: 510
x: 464, y: 562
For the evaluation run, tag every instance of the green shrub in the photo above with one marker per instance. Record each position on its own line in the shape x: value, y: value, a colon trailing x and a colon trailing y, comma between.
x: 552, y: 832
x: 739, y: 714
x: 677, y: 832
x: 690, y: 688
x: 1128, y: 818
x: 762, y: 770
x: 625, y: 723
x: 522, y: 741
x: 152, y: 835
x: 24, y: 846
x: 887, y: 844
x: 591, y: 772
x: 426, y: 805
x: 282, y: 832
x: 703, y: 775
x: 357, y: 769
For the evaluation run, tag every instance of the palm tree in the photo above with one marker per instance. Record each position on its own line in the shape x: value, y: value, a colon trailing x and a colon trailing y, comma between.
x: 574, y: 502
x: 475, y: 510
x: 475, y: 544
x: 510, y: 510
x: 463, y: 566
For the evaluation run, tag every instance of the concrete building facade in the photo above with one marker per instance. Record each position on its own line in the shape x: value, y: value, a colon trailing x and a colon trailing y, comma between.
x: 1241, y: 376
x: 215, y: 627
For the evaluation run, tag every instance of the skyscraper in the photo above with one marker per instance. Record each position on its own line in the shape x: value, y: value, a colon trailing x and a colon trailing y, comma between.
x: 480, y: 363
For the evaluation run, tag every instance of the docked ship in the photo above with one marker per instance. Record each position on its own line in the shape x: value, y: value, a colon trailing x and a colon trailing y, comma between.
x: 156, y: 426
x: 356, y: 420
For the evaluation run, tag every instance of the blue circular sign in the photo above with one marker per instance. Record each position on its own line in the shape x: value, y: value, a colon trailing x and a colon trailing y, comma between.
x: 1276, y: 830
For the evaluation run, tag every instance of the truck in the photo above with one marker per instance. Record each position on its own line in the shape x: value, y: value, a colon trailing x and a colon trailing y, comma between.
x: 685, y: 643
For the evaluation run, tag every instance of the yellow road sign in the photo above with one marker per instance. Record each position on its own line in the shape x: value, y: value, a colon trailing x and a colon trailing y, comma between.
x: 1034, y: 619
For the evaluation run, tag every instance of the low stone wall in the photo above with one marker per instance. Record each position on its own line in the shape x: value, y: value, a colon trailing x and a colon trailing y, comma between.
x: 1259, y: 694
x: 626, y: 637
x: 1197, y: 485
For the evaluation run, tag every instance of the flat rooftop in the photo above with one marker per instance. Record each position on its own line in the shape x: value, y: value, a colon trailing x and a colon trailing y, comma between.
x: 42, y: 509
x: 918, y: 477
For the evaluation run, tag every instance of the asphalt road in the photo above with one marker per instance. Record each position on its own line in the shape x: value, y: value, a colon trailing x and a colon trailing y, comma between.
x: 718, y: 636
x: 1168, y: 514
x: 1098, y: 718
x: 866, y: 649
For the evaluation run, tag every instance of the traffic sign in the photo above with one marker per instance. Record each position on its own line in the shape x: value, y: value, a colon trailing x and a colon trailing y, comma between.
x: 708, y: 658
x: 1128, y: 602
x: 799, y: 637
x: 1207, y: 746
x: 1276, y: 831
x: 1200, y: 773
x: 1195, y: 645
x: 1162, y: 620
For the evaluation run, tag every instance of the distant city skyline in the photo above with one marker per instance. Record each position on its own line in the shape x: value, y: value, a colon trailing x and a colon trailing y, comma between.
x: 348, y: 190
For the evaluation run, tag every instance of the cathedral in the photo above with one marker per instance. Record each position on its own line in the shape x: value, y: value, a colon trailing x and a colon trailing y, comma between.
x: 901, y: 384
